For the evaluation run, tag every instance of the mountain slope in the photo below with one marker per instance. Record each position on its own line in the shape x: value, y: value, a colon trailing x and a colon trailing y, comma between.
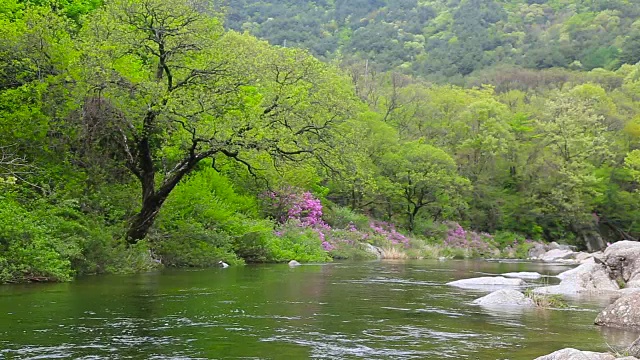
x: 439, y: 39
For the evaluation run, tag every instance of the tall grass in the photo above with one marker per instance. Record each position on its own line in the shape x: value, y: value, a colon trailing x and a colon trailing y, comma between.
x: 394, y: 253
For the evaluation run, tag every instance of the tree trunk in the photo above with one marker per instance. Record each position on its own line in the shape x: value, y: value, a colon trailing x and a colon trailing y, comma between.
x: 142, y: 222
x: 412, y: 216
x: 411, y: 222
x: 152, y: 199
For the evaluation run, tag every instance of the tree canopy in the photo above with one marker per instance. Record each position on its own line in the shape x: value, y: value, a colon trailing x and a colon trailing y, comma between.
x: 134, y: 132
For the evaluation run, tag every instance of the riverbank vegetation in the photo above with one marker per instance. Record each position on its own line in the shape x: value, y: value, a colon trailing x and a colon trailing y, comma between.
x: 138, y: 132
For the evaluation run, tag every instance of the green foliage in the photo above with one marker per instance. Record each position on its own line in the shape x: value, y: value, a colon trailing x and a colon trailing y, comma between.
x: 442, y: 40
x: 54, y: 242
x: 430, y: 229
x: 546, y: 301
x: 205, y: 221
x: 425, y: 179
x: 456, y: 253
x: 507, y: 238
x: 340, y: 217
x: 191, y: 246
x: 84, y: 242
x: 145, y: 117
x: 296, y: 243
x: 123, y: 259
x: 27, y: 253
x: 522, y: 250
x: 350, y: 245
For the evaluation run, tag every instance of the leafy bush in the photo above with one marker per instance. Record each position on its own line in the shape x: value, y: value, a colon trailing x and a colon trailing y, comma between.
x: 430, y: 229
x: 89, y: 245
x: 53, y: 242
x: 522, y: 250
x: 125, y: 259
x: 205, y: 221
x: 457, y: 252
x: 293, y: 242
x: 546, y: 300
x: 513, y: 245
x: 388, y: 232
x: 189, y: 245
x: 341, y: 217
x: 350, y: 244
x: 27, y: 252
x: 507, y: 238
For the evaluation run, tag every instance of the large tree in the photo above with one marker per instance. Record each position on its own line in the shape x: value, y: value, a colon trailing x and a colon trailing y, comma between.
x: 424, y: 178
x: 170, y: 88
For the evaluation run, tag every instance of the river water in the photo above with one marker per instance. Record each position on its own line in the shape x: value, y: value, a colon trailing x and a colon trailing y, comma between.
x: 360, y: 310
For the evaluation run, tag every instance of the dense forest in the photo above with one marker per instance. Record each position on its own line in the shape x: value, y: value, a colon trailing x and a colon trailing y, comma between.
x: 136, y: 133
x: 444, y: 40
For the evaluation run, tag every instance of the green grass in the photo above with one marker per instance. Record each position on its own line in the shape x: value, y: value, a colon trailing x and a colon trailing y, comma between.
x: 546, y: 301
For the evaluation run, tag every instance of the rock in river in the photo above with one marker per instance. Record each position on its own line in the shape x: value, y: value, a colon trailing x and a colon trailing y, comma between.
x: 623, y: 260
x: 573, y: 354
x: 528, y: 275
x: 294, y: 263
x: 505, y: 297
x: 590, y: 277
x: 487, y: 282
x: 557, y: 254
x: 634, y: 349
x: 623, y: 313
x: 553, y: 252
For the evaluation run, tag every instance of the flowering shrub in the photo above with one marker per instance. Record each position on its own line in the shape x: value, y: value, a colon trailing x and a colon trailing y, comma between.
x: 302, y: 209
x: 388, y: 231
x: 300, y: 215
x: 457, y: 236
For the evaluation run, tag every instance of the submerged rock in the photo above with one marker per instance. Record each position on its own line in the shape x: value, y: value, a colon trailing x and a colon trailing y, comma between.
x: 294, y: 263
x: 528, y: 275
x: 505, y: 297
x: 573, y: 354
x: 623, y: 313
x: 590, y: 277
x: 487, y: 282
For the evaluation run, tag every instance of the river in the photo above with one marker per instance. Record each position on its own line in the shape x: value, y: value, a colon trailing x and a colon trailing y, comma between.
x: 350, y: 310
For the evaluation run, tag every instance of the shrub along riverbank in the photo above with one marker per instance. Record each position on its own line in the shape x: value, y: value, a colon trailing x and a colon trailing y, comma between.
x: 55, y: 243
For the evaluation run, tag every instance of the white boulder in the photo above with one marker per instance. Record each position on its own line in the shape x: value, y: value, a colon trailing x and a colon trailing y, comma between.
x: 505, y: 297
x: 487, y: 282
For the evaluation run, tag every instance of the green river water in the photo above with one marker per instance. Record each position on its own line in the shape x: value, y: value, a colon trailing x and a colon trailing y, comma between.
x: 360, y: 310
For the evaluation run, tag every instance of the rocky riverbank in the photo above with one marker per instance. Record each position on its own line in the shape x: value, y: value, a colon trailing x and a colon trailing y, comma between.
x: 615, y: 272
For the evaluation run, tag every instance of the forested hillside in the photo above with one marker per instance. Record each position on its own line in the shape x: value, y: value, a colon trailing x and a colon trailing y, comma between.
x: 136, y: 133
x: 445, y: 39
